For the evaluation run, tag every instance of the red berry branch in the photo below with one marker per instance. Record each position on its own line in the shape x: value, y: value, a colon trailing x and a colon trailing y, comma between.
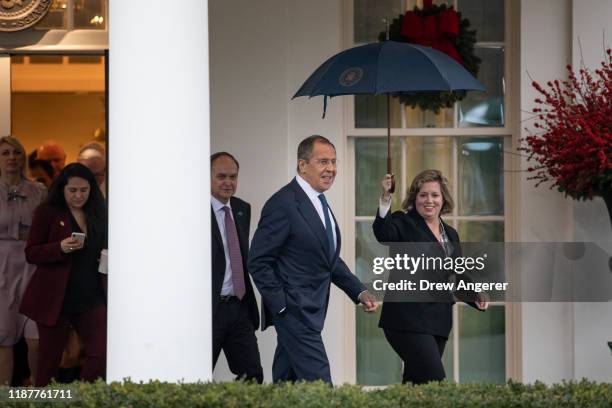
x: 572, y: 140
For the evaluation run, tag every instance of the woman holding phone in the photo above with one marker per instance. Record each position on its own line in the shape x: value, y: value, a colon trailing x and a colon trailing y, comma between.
x: 67, y: 234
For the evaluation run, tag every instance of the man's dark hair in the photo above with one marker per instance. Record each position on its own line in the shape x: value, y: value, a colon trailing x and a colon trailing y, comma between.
x: 94, y: 208
x: 306, y: 147
x: 45, y: 165
x: 32, y: 157
x: 215, y: 156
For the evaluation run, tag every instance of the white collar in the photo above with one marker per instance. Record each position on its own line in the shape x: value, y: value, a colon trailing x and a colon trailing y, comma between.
x: 218, y: 205
x: 310, y: 192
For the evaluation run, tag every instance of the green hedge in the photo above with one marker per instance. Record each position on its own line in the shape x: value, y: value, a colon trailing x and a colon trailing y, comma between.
x: 315, y: 395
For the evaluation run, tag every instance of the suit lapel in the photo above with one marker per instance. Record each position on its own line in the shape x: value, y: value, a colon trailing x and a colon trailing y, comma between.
x: 239, y: 220
x: 338, y: 239
x: 428, y: 231
x: 311, y: 216
x: 424, y: 227
x: 64, y: 222
x: 218, y: 257
x: 216, y: 233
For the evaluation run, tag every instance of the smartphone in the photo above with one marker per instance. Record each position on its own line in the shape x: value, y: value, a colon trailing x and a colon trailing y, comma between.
x: 78, y: 236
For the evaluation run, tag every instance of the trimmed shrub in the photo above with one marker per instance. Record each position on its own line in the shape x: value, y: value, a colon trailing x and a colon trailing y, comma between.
x: 318, y: 395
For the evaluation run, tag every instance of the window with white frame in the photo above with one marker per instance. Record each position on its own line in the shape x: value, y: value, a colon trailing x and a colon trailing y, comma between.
x: 467, y: 143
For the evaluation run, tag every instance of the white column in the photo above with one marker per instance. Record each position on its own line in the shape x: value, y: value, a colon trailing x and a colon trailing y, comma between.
x: 5, y: 95
x: 159, y: 323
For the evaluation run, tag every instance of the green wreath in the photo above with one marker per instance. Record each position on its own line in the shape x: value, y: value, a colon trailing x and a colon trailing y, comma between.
x: 463, y: 43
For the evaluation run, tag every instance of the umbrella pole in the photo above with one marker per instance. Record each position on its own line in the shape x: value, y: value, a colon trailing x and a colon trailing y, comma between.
x: 389, y: 166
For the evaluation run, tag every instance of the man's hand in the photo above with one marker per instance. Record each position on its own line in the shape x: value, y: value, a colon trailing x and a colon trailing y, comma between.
x: 482, y: 301
x: 368, y: 301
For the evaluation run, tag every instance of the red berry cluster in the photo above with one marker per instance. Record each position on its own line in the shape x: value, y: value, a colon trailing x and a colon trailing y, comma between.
x: 572, y: 140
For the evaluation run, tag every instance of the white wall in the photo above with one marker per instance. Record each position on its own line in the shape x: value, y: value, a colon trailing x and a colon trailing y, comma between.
x: 562, y: 340
x: 249, y: 109
x: 591, y: 27
x: 260, y: 53
x: 544, y: 214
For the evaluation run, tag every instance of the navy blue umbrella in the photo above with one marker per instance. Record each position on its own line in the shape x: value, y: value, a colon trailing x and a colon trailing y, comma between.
x: 388, y: 67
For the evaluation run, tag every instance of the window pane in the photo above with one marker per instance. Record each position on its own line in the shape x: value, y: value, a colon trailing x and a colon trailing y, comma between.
x: 55, y: 18
x: 370, y: 168
x: 432, y: 152
x: 418, y: 118
x: 377, y: 363
x: 89, y: 14
x: 486, y: 108
x: 485, y: 232
x: 486, y: 17
x: 371, y: 111
x: 481, y: 231
x: 410, y: 4
x: 368, y: 16
x: 482, y: 344
x: 480, y: 178
x: 366, y: 249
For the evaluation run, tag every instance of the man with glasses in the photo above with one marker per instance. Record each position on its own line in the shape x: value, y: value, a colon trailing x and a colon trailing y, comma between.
x: 293, y: 259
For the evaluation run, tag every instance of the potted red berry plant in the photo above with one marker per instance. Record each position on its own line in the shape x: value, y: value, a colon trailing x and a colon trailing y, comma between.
x: 571, y: 139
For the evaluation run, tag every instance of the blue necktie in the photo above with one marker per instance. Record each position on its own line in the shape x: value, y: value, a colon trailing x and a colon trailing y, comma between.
x: 328, y: 227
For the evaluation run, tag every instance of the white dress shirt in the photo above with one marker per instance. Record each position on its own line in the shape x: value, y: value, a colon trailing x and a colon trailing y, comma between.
x: 383, y: 207
x: 228, y: 287
x: 313, y: 195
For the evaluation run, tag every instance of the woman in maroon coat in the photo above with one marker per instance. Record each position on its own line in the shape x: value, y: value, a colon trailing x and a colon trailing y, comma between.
x: 66, y: 289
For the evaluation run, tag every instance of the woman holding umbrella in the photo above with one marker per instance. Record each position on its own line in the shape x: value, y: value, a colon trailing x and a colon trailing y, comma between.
x: 418, y: 331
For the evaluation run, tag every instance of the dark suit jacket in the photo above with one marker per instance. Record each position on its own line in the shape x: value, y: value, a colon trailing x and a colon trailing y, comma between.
x: 419, y: 317
x: 241, y: 211
x: 289, y: 261
x: 44, y: 296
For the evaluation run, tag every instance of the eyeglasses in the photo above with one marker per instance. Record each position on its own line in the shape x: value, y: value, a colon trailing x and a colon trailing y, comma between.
x: 326, y: 162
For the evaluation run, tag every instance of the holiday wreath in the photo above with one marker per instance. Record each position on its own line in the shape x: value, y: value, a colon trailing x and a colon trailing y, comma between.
x: 442, y: 28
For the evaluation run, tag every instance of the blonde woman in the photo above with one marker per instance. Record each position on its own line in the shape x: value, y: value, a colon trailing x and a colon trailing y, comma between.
x: 418, y: 331
x: 18, y: 199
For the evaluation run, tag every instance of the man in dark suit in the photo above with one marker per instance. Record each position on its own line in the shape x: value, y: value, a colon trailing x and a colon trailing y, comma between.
x: 235, y: 313
x: 294, y: 258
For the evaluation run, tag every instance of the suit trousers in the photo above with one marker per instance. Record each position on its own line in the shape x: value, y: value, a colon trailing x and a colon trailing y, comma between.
x: 421, y: 353
x: 91, y: 328
x: 234, y: 333
x: 300, y: 353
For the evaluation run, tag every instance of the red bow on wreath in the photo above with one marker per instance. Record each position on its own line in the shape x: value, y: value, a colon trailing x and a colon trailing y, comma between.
x: 434, y: 31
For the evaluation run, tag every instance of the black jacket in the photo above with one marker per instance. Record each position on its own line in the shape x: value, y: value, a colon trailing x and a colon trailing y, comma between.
x: 241, y: 211
x: 290, y: 262
x: 419, y: 317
